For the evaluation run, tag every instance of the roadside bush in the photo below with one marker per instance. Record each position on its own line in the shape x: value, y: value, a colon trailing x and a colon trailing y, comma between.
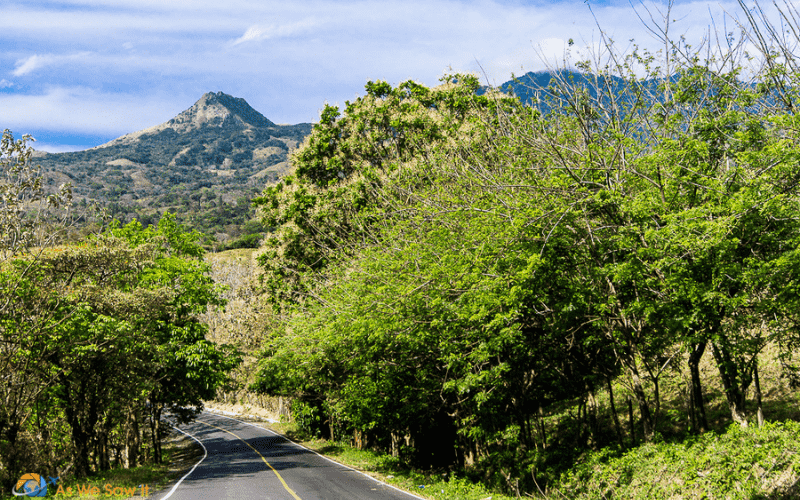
x: 741, y: 463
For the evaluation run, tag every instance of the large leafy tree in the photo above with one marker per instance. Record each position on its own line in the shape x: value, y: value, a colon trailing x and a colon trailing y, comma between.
x: 317, y: 213
x: 435, y: 326
x: 31, y: 220
x: 121, y: 339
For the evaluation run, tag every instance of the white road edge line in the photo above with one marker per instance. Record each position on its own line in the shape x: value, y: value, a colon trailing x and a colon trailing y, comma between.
x: 205, y: 454
x: 314, y: 452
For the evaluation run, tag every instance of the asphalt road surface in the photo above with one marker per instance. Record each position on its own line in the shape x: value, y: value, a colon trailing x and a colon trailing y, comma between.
x: 244, y: 461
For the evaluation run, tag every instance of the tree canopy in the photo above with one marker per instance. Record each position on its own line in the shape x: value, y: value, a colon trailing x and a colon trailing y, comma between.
x: 97, y: 337
x: 450, y: 266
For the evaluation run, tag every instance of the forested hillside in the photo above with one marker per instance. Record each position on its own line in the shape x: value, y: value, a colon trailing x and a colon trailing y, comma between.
x: 204, y: 165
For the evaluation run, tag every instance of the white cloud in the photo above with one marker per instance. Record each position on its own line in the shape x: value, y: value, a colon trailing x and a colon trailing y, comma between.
x: 58, y: 148
x: 84, y: 111
x: 149, y: 59
x: 264, y: 32
x: 25, y: 66
x: 4, y: 84
x: 32, y: 63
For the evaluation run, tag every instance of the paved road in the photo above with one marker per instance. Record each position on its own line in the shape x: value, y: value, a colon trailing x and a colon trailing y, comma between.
x: 244, y: 461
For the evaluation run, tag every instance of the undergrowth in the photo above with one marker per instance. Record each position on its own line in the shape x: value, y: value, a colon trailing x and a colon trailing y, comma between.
x: 741, y: 463
x: 137, y: 482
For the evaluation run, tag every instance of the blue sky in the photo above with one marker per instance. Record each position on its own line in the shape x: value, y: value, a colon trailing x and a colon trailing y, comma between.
x: 77, y: 73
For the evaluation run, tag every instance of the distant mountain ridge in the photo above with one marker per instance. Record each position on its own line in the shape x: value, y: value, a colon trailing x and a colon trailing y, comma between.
x: 534, y: 88
x: 532, y: 85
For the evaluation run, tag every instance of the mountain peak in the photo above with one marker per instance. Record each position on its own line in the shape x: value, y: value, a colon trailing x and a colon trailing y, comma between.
x: 213, y: 109
x: 220, y: 109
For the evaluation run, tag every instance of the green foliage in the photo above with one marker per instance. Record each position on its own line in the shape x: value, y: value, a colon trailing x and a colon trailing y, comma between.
x: 318, y: 213
x: 24, y: 203
x: 740, y: 463
x: 307, y: 418
x: 452, y: 270
x: 108, y: 329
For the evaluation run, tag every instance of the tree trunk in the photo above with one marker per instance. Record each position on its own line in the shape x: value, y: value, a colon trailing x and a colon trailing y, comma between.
x: 760, y: 411
x: 542, y: 430
x: 81, y: 417
x: 699, y: 421
x: 632, y: 424
x: 395, y: 444
x: 469, y: 454
x: 131, y: 440
x: 644, y: 406
x: 617, y: 426
x: 101, y: 450
x: 157, y: 409
x: 153, y: 434
x: 591, y: 413
x: 80, y: 440
x: 11, y: 460
x: 360, y: 439
x: 730, y: 374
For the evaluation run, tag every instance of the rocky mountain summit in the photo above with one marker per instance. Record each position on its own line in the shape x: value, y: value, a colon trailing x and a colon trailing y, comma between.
x: 214, y: 109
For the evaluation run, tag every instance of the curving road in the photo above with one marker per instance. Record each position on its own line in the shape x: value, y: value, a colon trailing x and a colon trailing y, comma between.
x: 244, y: 461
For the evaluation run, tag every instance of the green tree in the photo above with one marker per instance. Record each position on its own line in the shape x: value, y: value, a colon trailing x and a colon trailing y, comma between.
x: 30, y: 221
x: 315, y: 214
x: 645, y: 213
x: 121, y: 340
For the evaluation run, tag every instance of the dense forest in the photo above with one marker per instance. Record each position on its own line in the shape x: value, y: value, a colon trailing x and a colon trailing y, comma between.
x: 547, y: 291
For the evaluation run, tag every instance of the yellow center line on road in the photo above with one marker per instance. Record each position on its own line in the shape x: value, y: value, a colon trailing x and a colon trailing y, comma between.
x: 259, y: 454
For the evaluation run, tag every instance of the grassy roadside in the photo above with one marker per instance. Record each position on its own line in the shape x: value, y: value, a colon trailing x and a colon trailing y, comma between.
x: 726, y: 462
x: 431, y: 485
x: 746, y: 464
x: 741, y: 463
x: 180, y: 454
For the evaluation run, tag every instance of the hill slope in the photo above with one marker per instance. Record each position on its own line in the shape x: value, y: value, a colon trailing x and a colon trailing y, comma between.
x: 216, y: 152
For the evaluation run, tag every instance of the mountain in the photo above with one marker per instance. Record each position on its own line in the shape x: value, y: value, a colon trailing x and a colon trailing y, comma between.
x: 532, y: 88
x: 219, y: 151
x: 212, y: 110
x: 536, y: 88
